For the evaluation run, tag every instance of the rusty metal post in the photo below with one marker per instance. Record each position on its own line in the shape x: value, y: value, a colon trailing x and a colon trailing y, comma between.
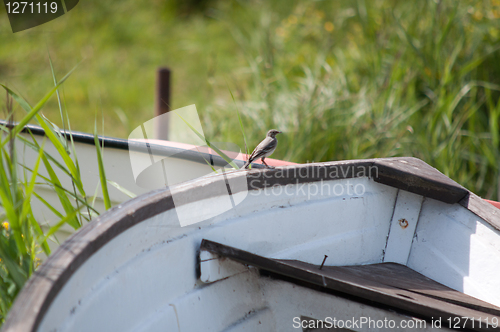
x: 162, y: 103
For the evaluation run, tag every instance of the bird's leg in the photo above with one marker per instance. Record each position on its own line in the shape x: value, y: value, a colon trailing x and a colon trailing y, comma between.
x: 265, y: 163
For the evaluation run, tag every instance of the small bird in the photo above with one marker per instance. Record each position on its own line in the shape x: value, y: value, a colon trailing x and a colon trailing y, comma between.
x: 265, y: 148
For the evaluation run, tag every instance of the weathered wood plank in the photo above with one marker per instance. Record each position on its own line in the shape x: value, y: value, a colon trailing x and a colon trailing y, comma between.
x: 403, y: 225
x: 415, y: 176
x: 483, y: 209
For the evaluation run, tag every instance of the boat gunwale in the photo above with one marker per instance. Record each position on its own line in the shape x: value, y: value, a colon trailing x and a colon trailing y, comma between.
x: 137, y: 146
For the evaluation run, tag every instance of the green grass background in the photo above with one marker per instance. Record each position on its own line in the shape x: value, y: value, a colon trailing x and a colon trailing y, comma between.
x: 342, y: 79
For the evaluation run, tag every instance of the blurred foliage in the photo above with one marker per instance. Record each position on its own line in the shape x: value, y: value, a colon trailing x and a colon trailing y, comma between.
x: 364, y: 79
x: 343, y: 79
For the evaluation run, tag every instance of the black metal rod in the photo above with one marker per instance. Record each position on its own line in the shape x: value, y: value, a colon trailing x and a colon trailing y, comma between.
x: 162, y: 102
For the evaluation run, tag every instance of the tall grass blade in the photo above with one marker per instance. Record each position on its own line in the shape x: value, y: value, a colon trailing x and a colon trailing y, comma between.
x: 66, y: 220
x: 18, y: 274
x: 102, y: 172
x: 57, y: 91
x: 65, y: 202
x: 122, y: 189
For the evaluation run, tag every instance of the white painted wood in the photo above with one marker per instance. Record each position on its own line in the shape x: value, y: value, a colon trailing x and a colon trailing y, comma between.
x: 261, y: 320
x: 206, y: 256
x: 216, y: 268
x: 163, y: 319
x: 403, y: 224
x: 458, y: 249
x: 288, y: 301
x: 285, y: 226
x: 220, y: 305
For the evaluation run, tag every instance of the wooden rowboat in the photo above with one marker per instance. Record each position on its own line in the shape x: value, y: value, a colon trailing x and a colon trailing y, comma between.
x: 380, y: 240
